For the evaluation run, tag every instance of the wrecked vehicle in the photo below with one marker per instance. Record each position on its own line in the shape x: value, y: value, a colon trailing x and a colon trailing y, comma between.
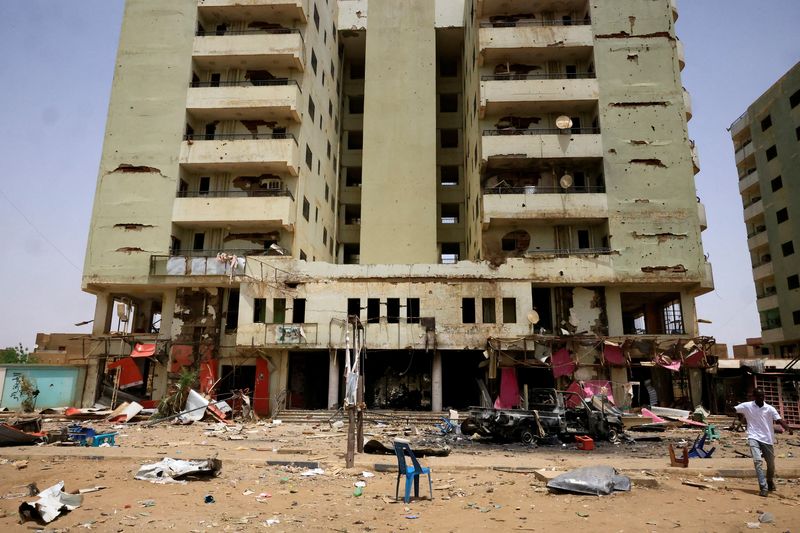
x: 551, y: 413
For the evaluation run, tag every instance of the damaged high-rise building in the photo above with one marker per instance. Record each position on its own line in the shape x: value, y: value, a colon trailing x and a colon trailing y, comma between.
x: 481, y: 184
x: 767, y: 151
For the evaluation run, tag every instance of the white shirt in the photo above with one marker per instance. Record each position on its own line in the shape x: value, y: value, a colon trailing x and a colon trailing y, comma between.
x: 759, y: 421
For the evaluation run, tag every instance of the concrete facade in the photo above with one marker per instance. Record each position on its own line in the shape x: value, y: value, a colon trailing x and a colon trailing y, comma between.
x: 766, y: 141
x: 438, y: 170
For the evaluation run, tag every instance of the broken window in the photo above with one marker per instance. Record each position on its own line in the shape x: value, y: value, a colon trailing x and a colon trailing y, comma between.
x: 487, y: 311
x: 412, y: 310
x: 449, y: 176
x: 216, y: 77
x: 351, y: 253
x: 782, y: 215
x: 448, y: 103
x: 448, y: 68
x: 787, y: 248
x: 205, y: 186
x: 232, y: 312
x: 260, y: 311
x: 356, y: 71
x: 449, y: 213
x: 278, y: 310
x: 777, y: 184
x: 355, y: 140
x: 468, y: 310
x: 299, y: 311
x: 448, y: 138
x: 393, y: 310
x: 542, y: 304
x: 584, y: 240
x: 353, y: 177
x: 303, y: 255
x: 793, y: 282
x: 766, y: 123
x: 306, y: 209
x: 356, y: 104
x: 772, y: 152
x: 450, y: 253
x: 509, y: 310
x: 657, y: 313
x: 198, y: 243
x: 515, y: 241
x: 352, y: 214
x: 373, y: 310
x: 354, y: 307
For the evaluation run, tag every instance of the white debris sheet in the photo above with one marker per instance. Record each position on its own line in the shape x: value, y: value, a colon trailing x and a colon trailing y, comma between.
x: 171, y: 470
x: 51, y: 503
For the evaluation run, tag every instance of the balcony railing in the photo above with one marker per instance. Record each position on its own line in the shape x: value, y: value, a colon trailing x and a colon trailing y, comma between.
x: 241, y: 252
x: 537, y: 189
x: 237, y: 136
x: 771, y: 323
x: 252, y: 31
x: 540, y: 76
x: 749, y: 171
x: 244, y: 83
x: 757, y: 231
x: 542, y: 131
x: 567, y: 252
x: 534, y: 22
x: 766, y: 293
x: 260, y: 193
x: 762, y: 262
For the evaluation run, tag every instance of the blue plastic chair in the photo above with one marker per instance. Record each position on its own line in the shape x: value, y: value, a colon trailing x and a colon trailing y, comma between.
x: 412, y: 472
x: 698, y: 450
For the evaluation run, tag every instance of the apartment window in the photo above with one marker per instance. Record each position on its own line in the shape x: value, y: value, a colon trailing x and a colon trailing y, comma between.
x: 319, y: 167
x: 777, y: 184
x: 794, y: 100
x: 797, y: 132
x: 468, y: 310
x: 330, y: 108
x: 450, y: 253
x: 412, y: 310
x: 312, y: 109
x: 324, y: 236
x: 793, y: 282
x: 448, y: 138
x: 316, y: 214
x: 356, y: 104
x: 583, y: 239
x: 782, y: 215
x: 205, y: 186
x: 309, y: 158
x: 787, y: 248
x: 314, y: 61
x: 448, y: 68
x: 393, y: 310
x: 448, y: 103
x: 356, y: 71
x: 509, y: 310
x: 373, y: 310
x: 232, y: 312
x: 772, y: 152
x: 278, y: 310
x: 333, y: 71
x: 260, y: 311
x: 303, y: 256
x: 766, y: 123
x: 329, y: 150
x: 487, y: 311
x: 327, y: 191
x: 354, y: 307
x: 199, y: 241
x: 449, y: 176
x: 353, y: 177
x: 316, y: 16
x: 306, y: 209
x: 299, y: 311
x: 449, y: 213
x: 355, y: 140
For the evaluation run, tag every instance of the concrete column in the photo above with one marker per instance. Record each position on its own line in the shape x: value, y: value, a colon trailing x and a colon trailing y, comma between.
x: 696, y: 386
x: 619, y: 375
x: 614, y: 312
x: 689, y: 312
x: 436, y: 382
x: 333, y: 380
x: 102, y: 314
x: 167, y: 314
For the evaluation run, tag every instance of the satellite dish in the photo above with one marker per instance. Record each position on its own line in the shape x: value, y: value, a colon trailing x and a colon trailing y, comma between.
x: 563, y: 122
x: 566, y: 181
x: 533, y: 317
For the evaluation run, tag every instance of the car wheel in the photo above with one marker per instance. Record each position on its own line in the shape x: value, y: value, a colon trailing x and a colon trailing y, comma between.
x: 527, y: 436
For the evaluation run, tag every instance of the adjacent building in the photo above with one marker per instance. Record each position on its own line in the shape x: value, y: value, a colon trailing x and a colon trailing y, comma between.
x: 766, y: 139
x: 468, y: 185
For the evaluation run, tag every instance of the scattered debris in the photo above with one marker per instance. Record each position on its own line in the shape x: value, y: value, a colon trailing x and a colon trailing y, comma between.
x: 172, y: 470
x: 51, y: 503
x: 594, y: 480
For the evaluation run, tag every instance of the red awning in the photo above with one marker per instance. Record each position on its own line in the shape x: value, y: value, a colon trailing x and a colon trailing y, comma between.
x: 144, y: 350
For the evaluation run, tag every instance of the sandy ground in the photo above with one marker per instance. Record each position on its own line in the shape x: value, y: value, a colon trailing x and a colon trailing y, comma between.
x: 468, y: 496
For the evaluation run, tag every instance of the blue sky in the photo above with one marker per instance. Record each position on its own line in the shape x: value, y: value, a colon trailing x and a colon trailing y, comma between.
x: 58, y: 62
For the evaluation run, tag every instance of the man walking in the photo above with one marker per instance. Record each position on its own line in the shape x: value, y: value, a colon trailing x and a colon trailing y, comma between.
x: 761, y: 437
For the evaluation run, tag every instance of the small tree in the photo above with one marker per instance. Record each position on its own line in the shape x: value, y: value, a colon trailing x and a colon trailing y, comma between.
x: 15, y: 355
x: 25, y: 391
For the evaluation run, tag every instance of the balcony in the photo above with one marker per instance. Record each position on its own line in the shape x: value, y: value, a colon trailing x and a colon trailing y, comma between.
x: 541, y: 143
x: 253, y: 9
x: 772, y: 331
x: 569, y: 252
x: 514, y: 93
x: 513, y: 205
x: 487, y: 8
x: 232, y: 209
x: 673, y: 4
x: 250, y: 49
x: 283, y: 335
x: 753, y: 210
x: 758, y: 238
x: 740, y: 125
x: 545, y: 40
x: 201, y: 263
x: 767, y: 300
x: 744, y: 151
x: 243, y: 100
x: 687, y: 103
x: 681, y: 54
x: 748, y: 179
x: 763, y: 270
x: 258, y: 152
x: 701, y: 215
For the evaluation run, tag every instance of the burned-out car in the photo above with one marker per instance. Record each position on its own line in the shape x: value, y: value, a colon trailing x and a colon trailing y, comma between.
x: 551, y: 413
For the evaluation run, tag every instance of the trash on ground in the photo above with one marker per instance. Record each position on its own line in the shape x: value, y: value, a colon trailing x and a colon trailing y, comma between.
x: 594, y: 480
x: 313, y: 472
x: 51, y: 503
x: 173, y: 470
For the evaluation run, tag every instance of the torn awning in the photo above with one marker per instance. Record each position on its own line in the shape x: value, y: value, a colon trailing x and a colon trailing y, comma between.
x: 144, y: 350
